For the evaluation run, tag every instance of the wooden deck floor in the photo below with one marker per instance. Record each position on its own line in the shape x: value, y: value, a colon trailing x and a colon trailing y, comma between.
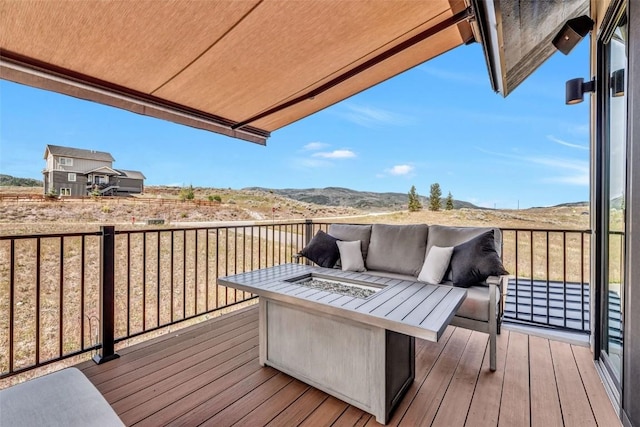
x: 209, y: 374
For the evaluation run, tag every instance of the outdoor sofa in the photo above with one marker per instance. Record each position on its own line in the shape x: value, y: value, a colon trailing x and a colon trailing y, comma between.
x: 466, y: 257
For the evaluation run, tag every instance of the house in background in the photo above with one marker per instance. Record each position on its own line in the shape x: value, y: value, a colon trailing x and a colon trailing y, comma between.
x: 78, y: 172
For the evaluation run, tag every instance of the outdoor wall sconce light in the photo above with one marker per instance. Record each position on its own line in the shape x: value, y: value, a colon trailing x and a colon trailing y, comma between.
x: 571, y: 33
x: 617, y: 83
x: 576, y: 89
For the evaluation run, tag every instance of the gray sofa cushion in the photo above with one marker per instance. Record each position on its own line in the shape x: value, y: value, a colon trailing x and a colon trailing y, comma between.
x: 444, y: 235
x: 397, y: 248
x: 351, y: 232
x: 65, y: 398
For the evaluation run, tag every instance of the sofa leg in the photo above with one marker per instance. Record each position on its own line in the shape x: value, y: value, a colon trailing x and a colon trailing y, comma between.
x: 492, y: 351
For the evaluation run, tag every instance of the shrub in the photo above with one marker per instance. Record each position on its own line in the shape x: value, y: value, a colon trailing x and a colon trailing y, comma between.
x: 187, y: 193
x: 215, y: 198
x: 106, y: 209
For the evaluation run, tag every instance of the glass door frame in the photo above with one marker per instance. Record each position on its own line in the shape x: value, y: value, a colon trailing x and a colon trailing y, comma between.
x: 602, y: 207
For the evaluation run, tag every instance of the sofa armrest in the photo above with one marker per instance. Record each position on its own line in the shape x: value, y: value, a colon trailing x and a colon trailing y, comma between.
x: 502, y: 282
x: 296, y: 257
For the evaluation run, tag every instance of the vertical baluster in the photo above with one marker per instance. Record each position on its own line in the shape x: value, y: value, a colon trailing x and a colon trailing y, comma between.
x: 82, y: 245
x: 128, y: 284
x: 38, y: 290
x: 61, y: 300
x: 195, y: 274
x: 548, y: 284
x: 206, y: 269
x: 564, y: 278
x: 531, y: 299
x: 12, y: 283
x: 158, y: 323
x: 184, y: 274
x: 172, y: 254
x: 144, y: 281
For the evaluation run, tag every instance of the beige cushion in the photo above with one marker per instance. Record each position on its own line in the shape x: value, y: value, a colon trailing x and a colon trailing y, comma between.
x: 397, y: 248
x: 64, y: 398
x: 351, y: 256
x: 351, y: 232
x: 435, y: 264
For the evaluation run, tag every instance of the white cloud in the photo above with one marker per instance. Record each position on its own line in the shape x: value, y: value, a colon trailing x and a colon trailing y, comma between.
x: 565, y: 143
x: 314, y: 146
x: 400, y: 170
x: 335, y: 154
x: 371, y: 116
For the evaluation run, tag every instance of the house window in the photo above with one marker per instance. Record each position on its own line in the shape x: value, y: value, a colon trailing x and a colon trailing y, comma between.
x: 65, y: 191
x: 65, y: 161
x: 71, y: 177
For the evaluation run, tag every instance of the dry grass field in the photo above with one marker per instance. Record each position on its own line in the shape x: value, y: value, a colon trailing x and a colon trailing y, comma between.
x: 166, y: 275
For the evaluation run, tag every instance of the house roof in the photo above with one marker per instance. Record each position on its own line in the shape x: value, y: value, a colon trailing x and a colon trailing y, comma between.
x: 132, y: 174
x: 103, y: 170
x: 240, y: 68
x: 77, y: 153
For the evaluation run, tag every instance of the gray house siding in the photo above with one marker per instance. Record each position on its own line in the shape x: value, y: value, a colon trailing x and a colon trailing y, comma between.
x: 129, y: 185
x: 77, y: 188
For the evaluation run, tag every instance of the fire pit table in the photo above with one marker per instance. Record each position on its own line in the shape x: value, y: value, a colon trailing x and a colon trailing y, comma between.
x: 358, y: 348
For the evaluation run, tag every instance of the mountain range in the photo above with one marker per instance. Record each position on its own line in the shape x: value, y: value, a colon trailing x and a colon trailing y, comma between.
x: 338, y: 196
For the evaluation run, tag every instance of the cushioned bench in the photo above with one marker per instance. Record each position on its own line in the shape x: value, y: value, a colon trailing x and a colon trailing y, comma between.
x: 65, y: 398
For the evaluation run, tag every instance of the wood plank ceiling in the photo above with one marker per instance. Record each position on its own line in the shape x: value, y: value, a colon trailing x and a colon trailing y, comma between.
x: 219, y: 64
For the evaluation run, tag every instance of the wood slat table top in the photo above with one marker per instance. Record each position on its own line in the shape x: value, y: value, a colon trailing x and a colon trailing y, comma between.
x: 405, y: 306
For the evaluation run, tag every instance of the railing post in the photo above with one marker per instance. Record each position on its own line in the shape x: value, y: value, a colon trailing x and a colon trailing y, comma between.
x: 308, y: 235
x: 308, y: 231
x: 107, y: 296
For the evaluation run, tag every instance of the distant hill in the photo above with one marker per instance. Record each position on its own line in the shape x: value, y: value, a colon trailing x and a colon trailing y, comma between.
x: 337, y: 196
x: 8, y: 180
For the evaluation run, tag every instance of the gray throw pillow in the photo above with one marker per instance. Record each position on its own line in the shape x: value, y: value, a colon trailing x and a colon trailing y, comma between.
x: 351, y: 256
x: 475, y: 260
x: 322, y: 250
x: 351, y: 232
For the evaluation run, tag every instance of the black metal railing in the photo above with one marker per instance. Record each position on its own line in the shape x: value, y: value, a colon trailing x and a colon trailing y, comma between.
x: 62, y: 295
x: 550, y: 270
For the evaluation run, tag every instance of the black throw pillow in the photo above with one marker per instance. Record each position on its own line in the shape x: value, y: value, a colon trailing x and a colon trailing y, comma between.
x: 475, y: 260
x: 322, y: 250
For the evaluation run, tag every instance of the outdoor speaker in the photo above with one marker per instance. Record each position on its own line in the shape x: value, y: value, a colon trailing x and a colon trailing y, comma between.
x: 572, y: 32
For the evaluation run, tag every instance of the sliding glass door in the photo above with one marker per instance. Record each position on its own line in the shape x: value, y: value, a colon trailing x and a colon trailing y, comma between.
x: 614, y: 164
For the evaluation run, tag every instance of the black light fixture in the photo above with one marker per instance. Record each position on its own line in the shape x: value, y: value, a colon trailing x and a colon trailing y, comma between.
x: 576, y: 89
x: 617, y: 83
x: 571, y: 33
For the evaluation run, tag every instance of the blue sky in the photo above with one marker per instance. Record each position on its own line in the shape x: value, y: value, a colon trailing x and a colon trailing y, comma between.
x: 439, y: 122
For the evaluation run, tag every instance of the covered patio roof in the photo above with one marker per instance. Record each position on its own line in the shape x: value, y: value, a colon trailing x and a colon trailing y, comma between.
x: 242, y: 68
x: 245, y: 68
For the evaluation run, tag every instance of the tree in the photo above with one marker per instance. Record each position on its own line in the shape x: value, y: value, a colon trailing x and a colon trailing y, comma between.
x: 414, y: 200
x: 449, y: 202
x: 435, y: 204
